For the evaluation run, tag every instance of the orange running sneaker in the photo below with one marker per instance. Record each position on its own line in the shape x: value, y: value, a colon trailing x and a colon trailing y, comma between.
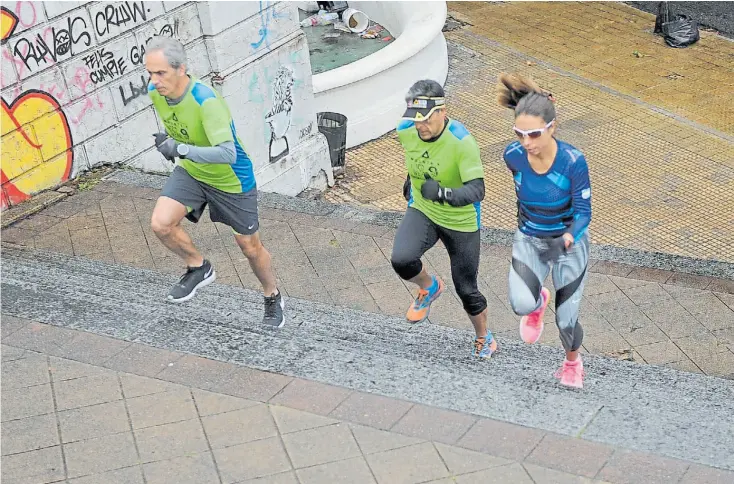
x: 418, y: 311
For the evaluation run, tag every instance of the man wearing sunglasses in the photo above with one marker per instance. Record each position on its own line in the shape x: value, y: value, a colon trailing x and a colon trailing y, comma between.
x: 553, y: 214
x: 444, y: 188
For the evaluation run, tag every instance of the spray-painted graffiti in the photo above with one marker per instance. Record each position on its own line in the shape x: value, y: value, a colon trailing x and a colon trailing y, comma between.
x: 304, y: 132
x: 120, y: 15
x: 279, y: 117
x: 37, y: 151
x: 36, y: 147
x: 53, y: 44
x: 267, y: 15
x: 135, y: 91
x: 8, y: 24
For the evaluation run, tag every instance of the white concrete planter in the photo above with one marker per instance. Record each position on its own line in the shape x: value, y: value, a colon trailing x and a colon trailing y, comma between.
x: 370, y: 92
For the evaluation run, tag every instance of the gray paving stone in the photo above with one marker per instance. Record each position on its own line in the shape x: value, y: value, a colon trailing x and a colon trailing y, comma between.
x: 127, y: 475
x: 290, y: 420
x: 11, y: 353
x: 99, y: 455
x: 168, y: 441
x: 462, y: 461
x: 92, y: 348
x: 25, y: 372
x: 210, y: 403
x: 252, y: 460
x: 87, y: 390
x: 28, y: 434
x: 432, y: 423
x: 543, y: 475
x: 354, y: 471
x: 93, y: 421
x: 63, y: 369
x: 371, y: 440
x: 43, y: 465
x: 197, y: 372
x: 281, y: 478
x: 191, y: 469
x: 161, y: 408
x: 514, y: 473
x: 239, y: 426
x: 627, y: 467
x: 26, y: 402
x: 137, y: 386
x: 251, y: 384
x: 373, y: 410
x: 407, y: 465
x: 698, y: 474
x: 11, y: 324
x: 320, y: 445
x: 311, y: 396
x: 553, y: 452
x: 501, y: 439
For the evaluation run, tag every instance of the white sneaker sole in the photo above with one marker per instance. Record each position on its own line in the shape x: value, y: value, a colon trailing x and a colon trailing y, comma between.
x: 203, y: 283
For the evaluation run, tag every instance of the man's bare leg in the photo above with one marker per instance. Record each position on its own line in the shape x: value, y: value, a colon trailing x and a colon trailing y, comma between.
x: 166, y: 224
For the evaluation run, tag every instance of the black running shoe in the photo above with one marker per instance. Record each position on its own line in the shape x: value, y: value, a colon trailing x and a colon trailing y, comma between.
x: 195, y: 278
x: 274, y: 306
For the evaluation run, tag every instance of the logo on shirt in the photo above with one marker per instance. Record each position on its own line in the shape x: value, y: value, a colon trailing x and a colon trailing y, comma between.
x: 586, y: 193
x: 425, y: 154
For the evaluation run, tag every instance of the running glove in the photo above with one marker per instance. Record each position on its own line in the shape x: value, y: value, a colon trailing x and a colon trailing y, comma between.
x: 431, y: 190
x: 166, y: 146
x: 555, y: 249
x: 406, y: 189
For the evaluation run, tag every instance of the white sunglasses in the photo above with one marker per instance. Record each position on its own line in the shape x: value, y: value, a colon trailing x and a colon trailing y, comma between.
x: 533, y: 133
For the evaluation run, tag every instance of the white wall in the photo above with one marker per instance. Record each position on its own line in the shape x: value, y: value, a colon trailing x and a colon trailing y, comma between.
x: 74, y: 97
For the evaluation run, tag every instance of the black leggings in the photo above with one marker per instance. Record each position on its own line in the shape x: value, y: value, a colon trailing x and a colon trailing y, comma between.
x: 417, y: 233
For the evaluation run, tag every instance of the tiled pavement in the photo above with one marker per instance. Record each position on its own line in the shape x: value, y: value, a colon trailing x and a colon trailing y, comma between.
x: 662, y: 173
x: 660, y: 317
x: 85, y: 409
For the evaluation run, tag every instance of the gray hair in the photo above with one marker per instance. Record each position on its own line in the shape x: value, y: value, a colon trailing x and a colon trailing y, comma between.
x: 524, y: 96
x: 426, y: 87
x: 173, y: 50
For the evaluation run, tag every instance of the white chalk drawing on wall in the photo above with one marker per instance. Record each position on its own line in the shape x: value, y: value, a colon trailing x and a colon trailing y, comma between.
x: 279, y: 117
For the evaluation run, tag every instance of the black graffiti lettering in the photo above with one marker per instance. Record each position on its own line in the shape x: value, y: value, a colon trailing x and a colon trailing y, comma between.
x: 137, y: 55
x: 104, y: 66
x: 166, y: 30
x: 135, y: 91
x: 119, y: 15
x: 36, y: 51
x: 305, y: 131
x: 83, y: 34
x: 62, y: 43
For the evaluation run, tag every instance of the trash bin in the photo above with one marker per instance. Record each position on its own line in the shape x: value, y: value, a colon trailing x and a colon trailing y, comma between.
x: 334, y: 127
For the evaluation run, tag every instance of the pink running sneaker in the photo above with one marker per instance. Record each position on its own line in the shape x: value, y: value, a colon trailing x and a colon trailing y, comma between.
x: 531, y: 326
x: 571, y: 373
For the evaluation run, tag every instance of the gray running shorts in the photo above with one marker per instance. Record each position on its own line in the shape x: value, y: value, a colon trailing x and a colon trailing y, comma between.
x: 237, y: 210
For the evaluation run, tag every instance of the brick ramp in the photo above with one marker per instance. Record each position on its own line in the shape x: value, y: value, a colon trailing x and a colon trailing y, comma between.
x: 625, y: 404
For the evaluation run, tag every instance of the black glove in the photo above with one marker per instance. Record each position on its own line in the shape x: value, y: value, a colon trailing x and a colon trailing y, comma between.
x: 406, y: 189
x: 555, y: 249
x: 166, y: 146
x: 431, y: 190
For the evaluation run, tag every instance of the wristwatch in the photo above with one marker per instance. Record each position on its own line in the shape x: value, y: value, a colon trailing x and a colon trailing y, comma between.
x: 182, y: 150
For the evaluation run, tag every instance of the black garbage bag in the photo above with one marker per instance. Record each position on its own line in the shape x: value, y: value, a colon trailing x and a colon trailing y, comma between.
x: 681, y: 32
x: 664, y: 16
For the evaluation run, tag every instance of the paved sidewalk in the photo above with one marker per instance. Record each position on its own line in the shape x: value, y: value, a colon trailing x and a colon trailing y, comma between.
x: 662, y: 173
x: 656, y: 316
x: 82, y: 409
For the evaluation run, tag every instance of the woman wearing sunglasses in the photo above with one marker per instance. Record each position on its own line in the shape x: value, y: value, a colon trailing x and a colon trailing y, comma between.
x: 553, y: 214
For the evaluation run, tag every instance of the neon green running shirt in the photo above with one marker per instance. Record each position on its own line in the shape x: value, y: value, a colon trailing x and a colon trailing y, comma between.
x: 202, y: 118
x: 452, y: 160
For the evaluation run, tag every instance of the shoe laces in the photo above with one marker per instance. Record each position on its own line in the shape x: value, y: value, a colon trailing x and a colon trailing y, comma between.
x: 270, y: 306
x: 570, y: 369
x: 422, y: 295
x: 187, y: 275
x: 479, y: 344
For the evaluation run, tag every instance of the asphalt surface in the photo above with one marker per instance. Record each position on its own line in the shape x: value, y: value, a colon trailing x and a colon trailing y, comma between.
x: 714, y: 15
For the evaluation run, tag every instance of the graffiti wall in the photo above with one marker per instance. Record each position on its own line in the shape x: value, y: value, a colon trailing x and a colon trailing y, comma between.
x: 74, y: 86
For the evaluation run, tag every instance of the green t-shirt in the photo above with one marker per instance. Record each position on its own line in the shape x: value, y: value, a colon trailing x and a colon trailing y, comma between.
x: 452, y: 160
x: 202, y: 118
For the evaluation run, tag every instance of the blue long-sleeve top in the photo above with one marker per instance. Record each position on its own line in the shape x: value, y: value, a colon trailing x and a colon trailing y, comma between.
x: 555, y: 202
